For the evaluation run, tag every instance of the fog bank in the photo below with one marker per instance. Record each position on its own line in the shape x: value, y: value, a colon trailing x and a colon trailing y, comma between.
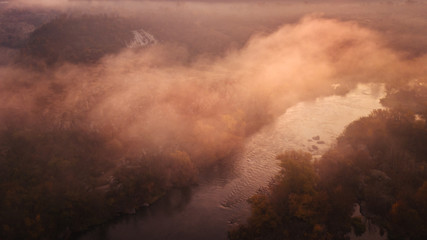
x: 148, y: 100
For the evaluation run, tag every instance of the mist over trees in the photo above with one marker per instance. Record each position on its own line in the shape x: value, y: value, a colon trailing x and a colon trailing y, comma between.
x: 90, y: 129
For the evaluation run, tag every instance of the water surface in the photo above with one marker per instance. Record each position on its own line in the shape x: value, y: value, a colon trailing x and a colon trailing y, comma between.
x: 208, y: 210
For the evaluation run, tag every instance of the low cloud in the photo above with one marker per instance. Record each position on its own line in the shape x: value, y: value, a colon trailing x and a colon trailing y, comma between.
x: 149, y: 100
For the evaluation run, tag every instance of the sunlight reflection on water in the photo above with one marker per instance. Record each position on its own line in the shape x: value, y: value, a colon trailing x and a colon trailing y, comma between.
x: 208, y: 210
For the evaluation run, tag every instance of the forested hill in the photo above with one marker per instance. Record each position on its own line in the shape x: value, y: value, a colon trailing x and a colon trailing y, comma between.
x: 78, y: 39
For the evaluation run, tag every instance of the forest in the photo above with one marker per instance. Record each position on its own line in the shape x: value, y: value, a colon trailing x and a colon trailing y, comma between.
x: 379, y: 162
x: 77, y: 39
x: 91, y: 130
x: 57, y: 182
x: 63, y: 172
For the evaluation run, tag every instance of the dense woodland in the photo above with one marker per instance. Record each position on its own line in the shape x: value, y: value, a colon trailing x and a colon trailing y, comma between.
x: 379, y: 162
x: 60, y: 179
x: 62, y: 173
x: 55, y: 182
x: 59, y: 175
x: 77, y: 39
x: 17, y: 24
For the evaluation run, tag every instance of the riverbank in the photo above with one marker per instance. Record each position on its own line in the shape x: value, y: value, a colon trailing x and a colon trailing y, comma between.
x: 218, y: 202
x: 378, y: 162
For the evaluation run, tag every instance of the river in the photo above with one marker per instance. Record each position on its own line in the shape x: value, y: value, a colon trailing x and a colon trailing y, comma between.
x: 208, y: 210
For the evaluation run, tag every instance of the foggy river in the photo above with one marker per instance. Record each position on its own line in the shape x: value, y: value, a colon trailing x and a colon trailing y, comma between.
x: 208, y: 210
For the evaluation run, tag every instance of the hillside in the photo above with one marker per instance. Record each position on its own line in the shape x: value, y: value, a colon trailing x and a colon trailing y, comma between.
x: 83, y: 39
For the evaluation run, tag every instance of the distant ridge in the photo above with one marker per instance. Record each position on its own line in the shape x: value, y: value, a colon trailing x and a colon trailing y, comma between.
x: 83, y: 39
